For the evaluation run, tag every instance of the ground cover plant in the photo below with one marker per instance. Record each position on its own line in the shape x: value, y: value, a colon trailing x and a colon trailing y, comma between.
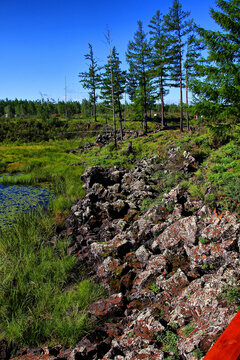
x: 38, y: 303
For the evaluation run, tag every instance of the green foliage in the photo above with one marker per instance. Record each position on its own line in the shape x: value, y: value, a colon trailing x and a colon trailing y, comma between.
x: 148, y: 203
x: 231, y: 294
x: 220, y: 134
x: 188, y: 329
x: 196, y: 191
x: 217, y: 89
x: 185, y: 185
x: 37, y: 129
x: 34, y: 307
x: 232, y: 194
x: 169, y: 341
x: 138, y: 56
x: 154, y: 288
x: 160, y: 59
x: 117, y: 77
x: 203, y: 240
x: 198, y: 353
x: 45, y: 109
x: 3, y: 166
x: 178, y: 27
x: 91, y: 78
x: 174, y: 325
x: 210, y: 200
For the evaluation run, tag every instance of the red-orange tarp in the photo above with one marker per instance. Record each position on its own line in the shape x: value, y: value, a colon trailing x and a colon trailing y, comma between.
x: 227, y: 347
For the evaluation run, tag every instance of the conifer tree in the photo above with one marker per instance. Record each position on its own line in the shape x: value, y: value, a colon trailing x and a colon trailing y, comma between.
x: 160, y: 58
x: 118, y: 81
x: 179, y: 26
x: 138, y: 58
x: 192, y: 61
x: 218, y: 88
x: 91, y: 79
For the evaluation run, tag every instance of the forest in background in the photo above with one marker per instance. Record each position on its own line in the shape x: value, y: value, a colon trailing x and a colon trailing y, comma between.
x: 174, y: 53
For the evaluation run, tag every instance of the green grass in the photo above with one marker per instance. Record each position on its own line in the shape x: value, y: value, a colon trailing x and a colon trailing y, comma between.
x: 37, y: 303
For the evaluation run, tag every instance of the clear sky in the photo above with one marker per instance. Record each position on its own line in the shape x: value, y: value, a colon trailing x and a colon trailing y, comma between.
x: 42, y: 42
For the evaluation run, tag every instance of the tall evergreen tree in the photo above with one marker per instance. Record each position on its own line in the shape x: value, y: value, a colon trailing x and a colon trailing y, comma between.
x: 91, y: 78
x: 138, y: 58
x: 160, y: 58
x: 118, y: 81
x: 218, y: 88
x: 177, y: 23
x: 192, y: 61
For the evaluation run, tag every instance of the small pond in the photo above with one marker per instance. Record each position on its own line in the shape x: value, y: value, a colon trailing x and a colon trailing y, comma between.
x: 16, y: 199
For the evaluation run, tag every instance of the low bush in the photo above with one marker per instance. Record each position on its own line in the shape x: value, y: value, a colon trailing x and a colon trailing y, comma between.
x: 169, y: 340
x: 187, y: 329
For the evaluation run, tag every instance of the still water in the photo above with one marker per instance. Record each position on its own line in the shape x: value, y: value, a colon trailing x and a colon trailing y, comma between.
x: 16, y: 199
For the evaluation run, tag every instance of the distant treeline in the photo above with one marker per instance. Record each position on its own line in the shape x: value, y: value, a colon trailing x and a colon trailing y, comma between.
x: 39, y: 108
x: 46, y: 109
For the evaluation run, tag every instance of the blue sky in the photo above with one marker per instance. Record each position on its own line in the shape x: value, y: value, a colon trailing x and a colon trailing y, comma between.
x: 43, y: 42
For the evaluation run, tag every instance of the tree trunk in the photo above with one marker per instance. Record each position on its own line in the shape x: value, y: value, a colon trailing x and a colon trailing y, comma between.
x: 162, y: 103
x: 145, y: 106
x: 180, y: 80
x: 95, y: 106
x: 187, y: 115
x: 113, y: 102
x: 125, y: 112
x: 120, y: 119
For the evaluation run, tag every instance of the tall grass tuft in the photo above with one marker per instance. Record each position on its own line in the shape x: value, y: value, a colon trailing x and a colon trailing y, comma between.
x: 35, y: 307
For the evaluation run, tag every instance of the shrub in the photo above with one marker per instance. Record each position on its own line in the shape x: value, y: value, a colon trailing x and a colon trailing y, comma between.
x: 203, y: 240
x: 187, y: 329
x: 196, y: 191
x: 231, y: 294
x: 210, y: 200
x: 154, y: 288
x: 220, y: 134
x: 169, y: 340
x: 232, y: 195
x: 198, y: 353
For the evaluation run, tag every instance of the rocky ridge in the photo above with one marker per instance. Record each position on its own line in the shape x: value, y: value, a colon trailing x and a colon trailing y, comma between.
x: 166, y: 272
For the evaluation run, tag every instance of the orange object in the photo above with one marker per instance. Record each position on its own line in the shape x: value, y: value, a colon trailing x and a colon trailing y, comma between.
x: 216, y: 213
x: 227, y: 346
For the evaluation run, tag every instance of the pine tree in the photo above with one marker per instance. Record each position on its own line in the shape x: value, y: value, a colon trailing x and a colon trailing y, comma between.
x: 218, y: 89
x: 160, y: 58
x: 118, y: 81
x: 177, y: 24
x: 138, y: 58
x: 91, y: 78
x: 192, y: 61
